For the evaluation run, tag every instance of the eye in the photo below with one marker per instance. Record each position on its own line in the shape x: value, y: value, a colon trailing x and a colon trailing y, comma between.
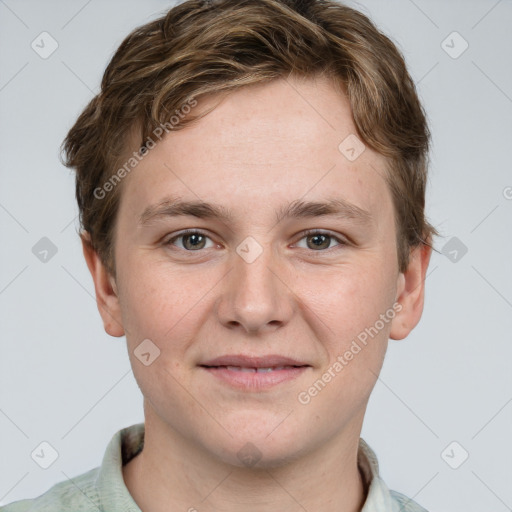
x: 193, y: 240
x: 318, y: 240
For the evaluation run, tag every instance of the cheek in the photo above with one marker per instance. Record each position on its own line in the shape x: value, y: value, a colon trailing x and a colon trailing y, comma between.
x: 346, y: 300
x: 157, y: 307
x: 354, y: 339
x: 157, y: 301
x: 347, y: 306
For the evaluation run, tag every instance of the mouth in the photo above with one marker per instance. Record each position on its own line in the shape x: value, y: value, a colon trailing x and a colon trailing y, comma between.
x: 254, y: 369
x: 254, y: 373
x: 256, y: 362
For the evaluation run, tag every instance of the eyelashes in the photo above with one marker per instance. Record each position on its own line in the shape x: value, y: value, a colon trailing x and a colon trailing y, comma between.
x: 198, y: 237
x: 187, y: 233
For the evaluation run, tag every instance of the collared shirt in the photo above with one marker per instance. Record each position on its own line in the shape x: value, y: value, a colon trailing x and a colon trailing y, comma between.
x: 102, y: 489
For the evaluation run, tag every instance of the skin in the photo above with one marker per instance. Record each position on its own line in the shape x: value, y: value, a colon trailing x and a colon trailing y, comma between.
x: 261, y: 148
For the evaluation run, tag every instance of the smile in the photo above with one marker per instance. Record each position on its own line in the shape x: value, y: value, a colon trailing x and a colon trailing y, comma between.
x: 254, y: 379
x: 259, y: 370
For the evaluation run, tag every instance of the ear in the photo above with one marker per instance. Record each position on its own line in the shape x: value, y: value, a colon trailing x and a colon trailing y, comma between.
x: 106, y: 290
x: 411, y: 292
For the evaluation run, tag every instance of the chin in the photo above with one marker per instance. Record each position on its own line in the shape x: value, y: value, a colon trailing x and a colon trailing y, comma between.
x: 259, y: 456
x: 255, y: 447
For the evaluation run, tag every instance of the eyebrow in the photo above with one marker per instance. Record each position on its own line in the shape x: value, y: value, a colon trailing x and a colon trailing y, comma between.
x: 335, y: 207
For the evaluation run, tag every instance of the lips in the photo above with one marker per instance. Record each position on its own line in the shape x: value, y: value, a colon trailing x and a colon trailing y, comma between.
x: 250, y: 363
x: 254, y: 374
x: 259, y: 370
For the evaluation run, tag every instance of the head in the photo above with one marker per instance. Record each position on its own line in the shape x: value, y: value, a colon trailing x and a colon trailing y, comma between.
x: 256, y: 107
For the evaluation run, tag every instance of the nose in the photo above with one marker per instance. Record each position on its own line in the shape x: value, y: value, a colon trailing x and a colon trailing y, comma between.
x: 255, y: 296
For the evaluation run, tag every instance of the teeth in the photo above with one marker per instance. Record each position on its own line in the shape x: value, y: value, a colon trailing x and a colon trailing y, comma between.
x: 239, y: 369
x: 258, y: 370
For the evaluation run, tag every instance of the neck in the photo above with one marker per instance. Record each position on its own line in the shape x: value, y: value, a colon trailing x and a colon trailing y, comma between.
x: 183, y: 477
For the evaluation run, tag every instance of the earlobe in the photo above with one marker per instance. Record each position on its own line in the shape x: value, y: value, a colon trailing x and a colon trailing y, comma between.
x: 106, y: 291
x: 411, y: 292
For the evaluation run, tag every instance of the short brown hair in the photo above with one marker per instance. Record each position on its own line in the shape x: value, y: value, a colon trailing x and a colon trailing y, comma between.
x: 202, y: 47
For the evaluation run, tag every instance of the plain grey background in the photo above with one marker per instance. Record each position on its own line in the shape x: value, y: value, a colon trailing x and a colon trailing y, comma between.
x: 444, y: 393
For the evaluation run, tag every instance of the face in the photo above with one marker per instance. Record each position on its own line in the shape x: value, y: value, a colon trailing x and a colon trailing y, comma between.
x: 271, y: 283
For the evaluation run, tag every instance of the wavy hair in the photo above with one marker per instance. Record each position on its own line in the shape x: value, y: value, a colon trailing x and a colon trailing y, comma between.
x: 202, y: 47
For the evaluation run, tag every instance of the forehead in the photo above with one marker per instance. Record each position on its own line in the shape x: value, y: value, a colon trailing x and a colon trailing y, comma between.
x: 279, y: 139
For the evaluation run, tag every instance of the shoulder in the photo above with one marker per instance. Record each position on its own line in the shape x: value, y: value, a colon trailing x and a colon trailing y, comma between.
x: 78, y: 494
x: 406, y: 504
x: 380, y: 497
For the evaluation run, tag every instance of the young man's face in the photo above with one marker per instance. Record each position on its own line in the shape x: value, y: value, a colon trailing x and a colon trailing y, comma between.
x: 256, y: 287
